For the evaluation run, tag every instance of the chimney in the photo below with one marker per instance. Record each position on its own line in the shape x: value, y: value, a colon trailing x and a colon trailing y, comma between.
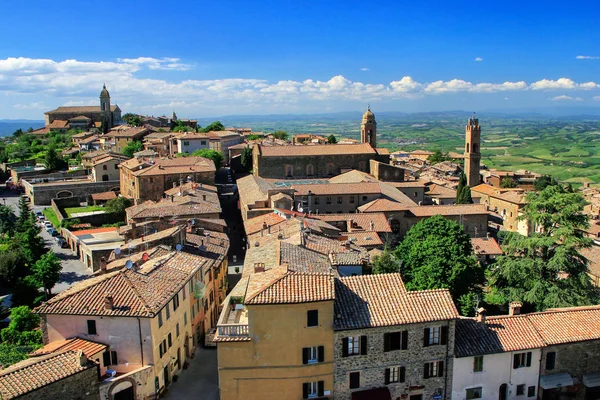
x: 350, y: 225
x: 487, y: 235
x: 514, y: 308
x: 269, y: 229
x: 200, y: 231
x: 142, y: 237
x: 108, y: 302
x: 83, y: 361
x: 480, y: 317
x: 103, y: 265
x: 259, y: 267
x: 372, y: 226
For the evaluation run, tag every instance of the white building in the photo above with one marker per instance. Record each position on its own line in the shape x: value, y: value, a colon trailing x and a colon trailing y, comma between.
x: 496, y: 358
x: 190, y: 142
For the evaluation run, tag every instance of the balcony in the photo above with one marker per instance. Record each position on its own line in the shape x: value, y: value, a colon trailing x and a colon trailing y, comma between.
x: 233, y: 322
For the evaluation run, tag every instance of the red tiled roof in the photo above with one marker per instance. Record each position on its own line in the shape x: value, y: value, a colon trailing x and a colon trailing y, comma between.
x: 564, y: 325
x: 455, y: 209
x: 278, y: 286
x: 486, y: 246
x: 380, y: 222
x: 254, y: 225
x: 79, y: 109
x: 104, y: 196
x: 315, y: 150
x: 88, y: 347
x: 382, y: 205
x: 169, y: 166
x: 368, y: 301
x: 34, y: 373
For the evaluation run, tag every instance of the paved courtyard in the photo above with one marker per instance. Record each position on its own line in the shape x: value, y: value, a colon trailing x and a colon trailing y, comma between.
x: 199, y: 381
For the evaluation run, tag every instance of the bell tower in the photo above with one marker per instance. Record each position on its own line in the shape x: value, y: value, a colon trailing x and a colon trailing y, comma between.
x: 368, y: 128
x: 472, y: 151
x: 105, y: 106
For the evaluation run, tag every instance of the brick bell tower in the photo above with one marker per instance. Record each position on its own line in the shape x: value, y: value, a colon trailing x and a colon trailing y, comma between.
x: 368, y: 128
x: 472, y: 151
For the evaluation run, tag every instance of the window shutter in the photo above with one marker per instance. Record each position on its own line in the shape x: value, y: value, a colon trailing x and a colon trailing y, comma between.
x: 387, y: 376
x: 386, y: 342
x: 402, y: 374
x: 106, y: 358
x: 529, y: 359
x: 404, y: 340
x: 426, y: 371
x: 305, y: 390
x: 515, y: 361
x: 425, y: 337
x: 305, y: 353
x: 441, y: 368
x: 345, y: 347
x: 363, y: 345
x: 444, y: 338
x: 320, y: 388
x: 321, y: 353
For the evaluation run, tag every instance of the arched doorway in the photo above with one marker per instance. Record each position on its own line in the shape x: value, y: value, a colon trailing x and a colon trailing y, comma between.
x: 123, y: 390
x: 63, y: 194
x: 503, y: 391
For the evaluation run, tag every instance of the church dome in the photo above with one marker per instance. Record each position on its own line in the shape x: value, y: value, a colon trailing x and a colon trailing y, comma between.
x: 368, y: 115
x: 104, y: 92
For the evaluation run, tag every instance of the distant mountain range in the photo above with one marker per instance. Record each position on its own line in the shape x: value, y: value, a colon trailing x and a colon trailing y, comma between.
x: 8, y: 126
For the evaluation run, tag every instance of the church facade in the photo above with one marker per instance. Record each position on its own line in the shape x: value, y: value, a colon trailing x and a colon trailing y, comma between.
x: 85, y: 117
x: 320, y: 160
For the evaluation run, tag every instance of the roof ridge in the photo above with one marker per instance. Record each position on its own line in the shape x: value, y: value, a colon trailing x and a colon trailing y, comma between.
x: 80, y: 288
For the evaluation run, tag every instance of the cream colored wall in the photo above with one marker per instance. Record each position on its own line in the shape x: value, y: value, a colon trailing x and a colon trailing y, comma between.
x: 270, y: 365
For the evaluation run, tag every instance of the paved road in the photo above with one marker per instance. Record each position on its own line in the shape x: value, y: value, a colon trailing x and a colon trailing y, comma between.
x: 73, y: 270
x: 199, y: 381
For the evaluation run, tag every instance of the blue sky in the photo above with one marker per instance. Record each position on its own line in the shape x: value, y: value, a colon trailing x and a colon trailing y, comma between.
x: 210, y: 58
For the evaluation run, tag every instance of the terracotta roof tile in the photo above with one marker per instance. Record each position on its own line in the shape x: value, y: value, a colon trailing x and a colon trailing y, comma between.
x: 455, y: 209
x: 364, y: 238
x: 79, y: 109
x: 381, y: 300
x: 315, y: 150
x: 88, y: 347
x: 382, y: 205
x: 254, y: 225
x: 168, y: 166
x: 34, y: 373
x: 362, y: 220
x: 486, y: 246
x: 564, y: 325
x: 104, y: 196
x: 279, y: 286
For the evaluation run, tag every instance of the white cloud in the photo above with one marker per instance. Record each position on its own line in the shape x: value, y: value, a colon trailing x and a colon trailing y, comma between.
x: 596, y: 97
x: 506, y: 98
x: 458, y: 85
x: 566, y: 98
x: 478, y: 59
x: 405, y: 85
x: 166, y: 63
x: 587, y: 57
x: 365, y: 69
x: 31, y: 106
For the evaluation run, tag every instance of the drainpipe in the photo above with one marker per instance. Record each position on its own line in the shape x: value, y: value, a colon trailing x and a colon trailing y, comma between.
x: 141, y: 344
x: 447, y: 364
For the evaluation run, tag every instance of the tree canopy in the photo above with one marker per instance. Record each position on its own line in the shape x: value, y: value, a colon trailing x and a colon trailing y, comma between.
x: 545, y: 269
x: 463, y: 191
x: 331, y: 139
x: 544, y: 181
x: 118, y: 206
x: 46, y: 272
x: 132, y: 147
x: 215, y: 126
x: 246, y: 158
x: 211, y: 154
x: 132, y: 119
x: 437, y: 157
x: 282, y: 135
x: 385, y: 262
x: 436, y: 254
x: 508, y: 182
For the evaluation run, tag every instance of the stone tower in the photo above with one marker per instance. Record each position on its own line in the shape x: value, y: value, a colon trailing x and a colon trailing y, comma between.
x: 105, y: 106
x: 472, y: 151
x: 368, y: 128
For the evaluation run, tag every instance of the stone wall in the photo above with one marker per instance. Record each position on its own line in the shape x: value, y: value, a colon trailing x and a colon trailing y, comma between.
x: 83, y: 386
x: 372, y: 365
x: 40, y: 194
x: 46, y: 175
x: 141, y: 380
x: 323, y: 166
x: 386, y: 172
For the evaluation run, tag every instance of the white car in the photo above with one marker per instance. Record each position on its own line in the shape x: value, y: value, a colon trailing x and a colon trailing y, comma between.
x: 48, y: 225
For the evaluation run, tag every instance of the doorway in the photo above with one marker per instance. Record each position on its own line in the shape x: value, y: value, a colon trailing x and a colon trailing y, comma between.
x: 166, y: 376
x: 503, y: 391
x: 416, y: 397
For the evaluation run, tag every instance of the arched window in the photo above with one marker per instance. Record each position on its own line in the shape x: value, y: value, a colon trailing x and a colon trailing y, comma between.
x: 105, y: 167
x: 468, y: 147
x: 309, y: 170
x: 289, y: 171
x: 330, y: 169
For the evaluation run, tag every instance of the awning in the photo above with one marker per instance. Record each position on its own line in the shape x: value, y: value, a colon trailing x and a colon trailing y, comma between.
x: 556, y: 381
x: 592, y: 380
x: 382, y: 393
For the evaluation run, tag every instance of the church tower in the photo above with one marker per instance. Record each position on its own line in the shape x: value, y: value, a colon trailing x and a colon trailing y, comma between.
x: 105, y: 106
x: 472, y: 151
x: 368, y: 128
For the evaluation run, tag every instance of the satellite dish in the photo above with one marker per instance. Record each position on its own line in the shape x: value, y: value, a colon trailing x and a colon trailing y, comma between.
x: 129, y: 264
x: 145, y: 257
x: 178, y: 247
x: 193, y: 222
x: 118, y: 251
x: 202, y: 247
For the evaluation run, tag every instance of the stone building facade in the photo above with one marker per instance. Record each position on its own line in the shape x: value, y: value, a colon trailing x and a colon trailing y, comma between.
x: 473, y: 152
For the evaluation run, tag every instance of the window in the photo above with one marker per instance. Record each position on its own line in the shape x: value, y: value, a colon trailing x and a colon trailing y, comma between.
x: 312, y: 318
x: 433, y: 369
x: 175, y: 302
x: 478, y: 364
x: 164, y: 345
x: 531, y: 391
x: 550, y: 360
x: 311, y: 355
x: 395, y: 375
x: 289, y: 170
x: 105, y: 167
x: 435, y: 335
x: 116, y: 166
x: 339, y: 199
x: 211, y: 296
x: 354, y: 380
x: 354, y: 345
x: 91, y: 325
x: 309, y: 170
x: 160, y: 321
x: 170, y: 340
x: 203, y: 142
x: 316, y: 200
x: 168, y: 311
x: 313, y: 389
x: 184, y: 292
x: 328, y: 200
x: 521, y: 390
x: 521, y: 360
x: 110, y: 358
x: 177, y: 330
x: 352, y: 199
x: 185, y: 143
x: 474, y: 393
x: 395, y: 341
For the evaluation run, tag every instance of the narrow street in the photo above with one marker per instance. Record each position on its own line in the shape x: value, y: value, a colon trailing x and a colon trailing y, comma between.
x: 200, y: 380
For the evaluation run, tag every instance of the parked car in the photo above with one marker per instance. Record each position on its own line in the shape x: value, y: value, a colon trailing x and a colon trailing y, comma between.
x: 25, y: 197
x: 48, y: 226
x: 62, y: 243
x: 59, y: 238
x: 53, y: 232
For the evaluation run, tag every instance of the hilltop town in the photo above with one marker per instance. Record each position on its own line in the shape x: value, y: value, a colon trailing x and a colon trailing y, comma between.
x: 148, y: 257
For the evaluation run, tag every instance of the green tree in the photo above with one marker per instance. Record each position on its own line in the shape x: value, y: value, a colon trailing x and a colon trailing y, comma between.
x: 12, y: 354
x: 132, y: 147
x: 132, y: 119
x: 211, y: 154
x: 24, y: 219
x: 254, y: 137
x: 436, y: 253
x: 12, y: 268
x: 8, y: 221
x: 28, y: 241
x: 437, y: 157
x: 507, y: 182
x: 179, y: 127
x: 118, y: 206
x: 546, y: 269
x: 51, y: 159
x: 544, y: 181
x: 214, y: 127
x: 331, y: 139
x: 246, y: 158
x: 22, y: 329
x: 463, y: 192
x: 281, y: 135
x: 46, y: 272
x: 385, y: 262
x: 104, y: 125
